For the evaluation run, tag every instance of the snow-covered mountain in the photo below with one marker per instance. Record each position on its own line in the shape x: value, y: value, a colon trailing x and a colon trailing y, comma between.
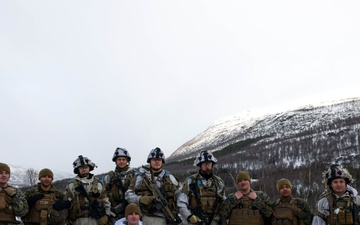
x: 330, y: 125
x: 19, y: 177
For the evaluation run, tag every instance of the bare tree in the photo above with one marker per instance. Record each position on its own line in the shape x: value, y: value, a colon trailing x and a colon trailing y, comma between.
x: 32, y: 176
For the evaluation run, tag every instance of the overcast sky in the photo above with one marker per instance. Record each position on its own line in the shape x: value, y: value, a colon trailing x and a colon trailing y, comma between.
x: 85, y: 77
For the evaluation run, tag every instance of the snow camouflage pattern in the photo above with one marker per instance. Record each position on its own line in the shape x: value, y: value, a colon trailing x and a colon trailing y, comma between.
x: 214, y: 195
x: 322, y: 208
x: 115, y: 194
x: 163, y: 180
x: 95, y: 189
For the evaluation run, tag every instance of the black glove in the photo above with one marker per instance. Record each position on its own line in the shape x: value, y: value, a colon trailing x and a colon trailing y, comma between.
x: 33, y: 199
x: 61, y: 204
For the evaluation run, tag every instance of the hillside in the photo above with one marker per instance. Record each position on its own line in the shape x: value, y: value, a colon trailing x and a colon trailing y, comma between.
x: 297, y: 144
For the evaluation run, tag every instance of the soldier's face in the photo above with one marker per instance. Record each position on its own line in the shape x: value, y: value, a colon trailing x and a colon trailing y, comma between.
x: 133, y: 219
x: 244, y: 185
x: 338, y: 186
x: 45, y: 181
x: 4, y: 178
x: 121, y: 162
x: 84, y: 171
x: 206, y: 167
x: 156, y: 164
x: 285, y: 190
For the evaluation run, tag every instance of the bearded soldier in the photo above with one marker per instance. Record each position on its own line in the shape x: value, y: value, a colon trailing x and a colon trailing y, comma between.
x: 246, y: 206
x: 154, y: 189
x: 289, y: 210
x: 13, y: 204
x: 339, y: 204
x: 89, y: 203
x: 202, y: 193
x: 47, y: 205
x: 118, y: 181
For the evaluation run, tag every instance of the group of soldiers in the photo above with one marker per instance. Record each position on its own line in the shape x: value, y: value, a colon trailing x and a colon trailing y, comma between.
x: 151, y: 195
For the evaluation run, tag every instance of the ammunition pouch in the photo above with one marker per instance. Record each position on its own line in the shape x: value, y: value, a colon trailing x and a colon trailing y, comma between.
x: 246, y: 216
x: 283, y: 214
x: 6, y: 211
x: 43, y: 217
x: 344, y: 217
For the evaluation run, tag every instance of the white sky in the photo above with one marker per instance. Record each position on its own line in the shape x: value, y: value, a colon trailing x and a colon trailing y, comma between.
x: 84, y: 77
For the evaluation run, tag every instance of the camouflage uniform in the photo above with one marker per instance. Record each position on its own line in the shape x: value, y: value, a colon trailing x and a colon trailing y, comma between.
x: 164, y: 181
x: 117, y: 182
x: 261, y: 204
x: 211, y: 195
x: 335, y: 209
x: 79, y: 212
x: 12, y: 208
x: 300, y: 216
x: 13, y: 204
x: 202, y: 194
x: 96, y: 191
x: 43, y: 207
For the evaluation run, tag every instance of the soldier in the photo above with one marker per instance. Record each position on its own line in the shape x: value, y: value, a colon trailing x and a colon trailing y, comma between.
x: 246, y: 206
x: 202, y: 193
x: 89, y: 203
x: 118, y: 181
x: 289, y: 210
x: 13, y: 204
x: 47, y: 205
x: 154, y: 189
x: 340, y: 202
x: 132, y: 215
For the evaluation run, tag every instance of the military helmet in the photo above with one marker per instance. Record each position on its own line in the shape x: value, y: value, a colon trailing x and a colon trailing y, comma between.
x: 121, y: 152
x: 337, y: 171
x: 205, y: 156
x: 156, y: 153
x: 82, y: 161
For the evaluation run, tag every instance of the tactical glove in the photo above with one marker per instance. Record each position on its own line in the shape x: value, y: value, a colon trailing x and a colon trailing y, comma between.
x: 194, y: 219
x: 146, y: 200
x: 61, y: 205
x: 10, y: 191
x: 103, y: 220
x: 33, y: 199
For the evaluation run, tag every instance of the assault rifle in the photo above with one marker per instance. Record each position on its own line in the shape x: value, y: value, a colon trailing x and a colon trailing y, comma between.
x: 95, y: 209
x: 161, y: 204
x: 197, y: 210
x: 120, y: 207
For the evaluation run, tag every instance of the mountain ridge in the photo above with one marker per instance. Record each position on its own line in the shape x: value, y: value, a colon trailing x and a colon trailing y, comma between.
x: 235, y: 128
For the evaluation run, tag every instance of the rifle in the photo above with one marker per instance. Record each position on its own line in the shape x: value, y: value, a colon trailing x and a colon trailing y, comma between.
x: 96, y: 210
x: 197, y: 210
x: 120, y: 207
x: 161, y: 204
